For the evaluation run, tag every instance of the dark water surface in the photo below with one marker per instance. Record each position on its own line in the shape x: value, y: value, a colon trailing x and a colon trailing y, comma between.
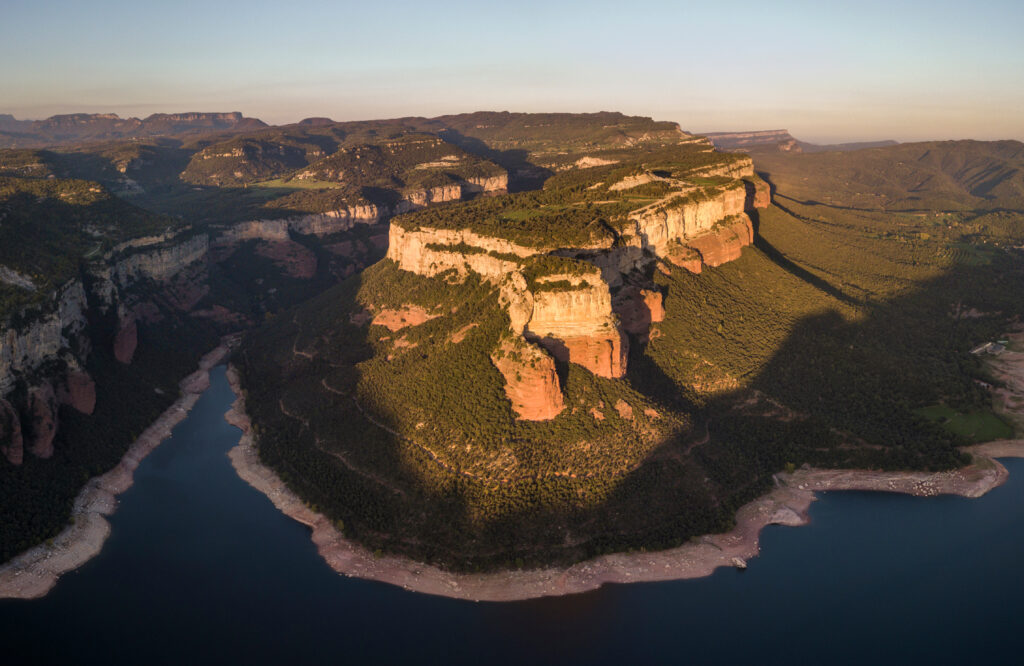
x: 200, y: 568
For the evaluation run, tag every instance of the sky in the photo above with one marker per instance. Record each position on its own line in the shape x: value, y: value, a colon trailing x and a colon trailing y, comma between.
x: 827, y: 71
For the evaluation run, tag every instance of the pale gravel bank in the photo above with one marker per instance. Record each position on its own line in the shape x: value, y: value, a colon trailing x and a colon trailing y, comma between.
x: 787, y: 504
x: 33, y: 573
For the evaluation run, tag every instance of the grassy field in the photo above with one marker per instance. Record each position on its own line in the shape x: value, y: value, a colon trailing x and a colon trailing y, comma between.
x: 976, y: 426
x: 297, y: 184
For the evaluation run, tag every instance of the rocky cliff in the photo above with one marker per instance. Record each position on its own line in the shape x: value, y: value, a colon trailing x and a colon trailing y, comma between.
x: 531, y: 382
x: 43, y: 347
x: 348, y: 217
x: 28, y: 343
x: 160, y: 263
x: 559, y: 297
x: 576, y: 324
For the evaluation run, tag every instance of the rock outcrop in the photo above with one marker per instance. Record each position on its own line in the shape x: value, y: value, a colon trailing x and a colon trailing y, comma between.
x: 11, y: 442
x: 724, y: 243
x: 576, y: 325
x: 686, y: 216
x: 43, y: 412
x: 160, y: 263
x: 570, y: 313
x: 26, y: 346
x: 531, y: 382
x: 637, y: 309
x: 78, y: 390
x: 346, y: 218
x: 434, y: 251
x: 126, y: 340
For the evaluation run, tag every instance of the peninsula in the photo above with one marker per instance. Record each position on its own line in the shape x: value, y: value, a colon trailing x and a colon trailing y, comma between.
x: 497, y: 342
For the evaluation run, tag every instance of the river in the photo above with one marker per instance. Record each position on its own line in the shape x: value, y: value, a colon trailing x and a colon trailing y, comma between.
x: 201, y: 568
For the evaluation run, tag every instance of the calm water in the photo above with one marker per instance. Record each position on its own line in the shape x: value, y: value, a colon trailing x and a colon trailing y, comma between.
x: 201, y: 568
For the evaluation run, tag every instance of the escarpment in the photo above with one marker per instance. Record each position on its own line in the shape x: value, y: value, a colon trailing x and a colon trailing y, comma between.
x: 349, y: 216
x: 557, y: 287
x: 161, y: 262
x: 27, y: 343
x: 44, y: 347
x: 572, y: 318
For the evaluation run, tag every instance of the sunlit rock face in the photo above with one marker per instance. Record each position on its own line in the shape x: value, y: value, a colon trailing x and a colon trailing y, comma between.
x: 571, y: 315
x: 531, y: 382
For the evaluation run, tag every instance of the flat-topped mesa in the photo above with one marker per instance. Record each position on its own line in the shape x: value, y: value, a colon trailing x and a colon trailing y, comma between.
x: 557, y: 257
x: 780, y: 140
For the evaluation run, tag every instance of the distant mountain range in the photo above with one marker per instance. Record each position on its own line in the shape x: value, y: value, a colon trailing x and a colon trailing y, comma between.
x: 782, y: 141
x: 81, y: 127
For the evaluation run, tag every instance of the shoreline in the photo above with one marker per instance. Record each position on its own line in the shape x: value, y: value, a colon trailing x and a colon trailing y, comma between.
x: 787, y: 504
x: 33, y: 573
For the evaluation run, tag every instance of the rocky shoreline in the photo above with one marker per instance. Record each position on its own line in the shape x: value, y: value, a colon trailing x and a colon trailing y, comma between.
x: 786, y: 504
x: 33, y: 573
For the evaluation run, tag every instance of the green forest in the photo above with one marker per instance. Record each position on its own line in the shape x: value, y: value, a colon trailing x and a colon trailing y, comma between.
x: 833, y: 341
x: 838, y: 339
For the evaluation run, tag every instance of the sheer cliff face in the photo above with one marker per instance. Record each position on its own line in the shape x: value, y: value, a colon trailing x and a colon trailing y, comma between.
x: 45, y: 347
x: 161, y: 263
x: 344, y: 219
x: 25, y: 347
x: 577, y: 325
x: 432, y: 251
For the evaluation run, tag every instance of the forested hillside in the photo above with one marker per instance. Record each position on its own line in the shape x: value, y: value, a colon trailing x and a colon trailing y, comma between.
x: 833, y: 341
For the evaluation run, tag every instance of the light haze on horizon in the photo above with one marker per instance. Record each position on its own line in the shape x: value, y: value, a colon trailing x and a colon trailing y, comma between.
x: 827, y: 71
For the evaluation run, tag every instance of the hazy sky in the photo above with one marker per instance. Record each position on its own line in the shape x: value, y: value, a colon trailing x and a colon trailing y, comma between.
x: 827, y: 71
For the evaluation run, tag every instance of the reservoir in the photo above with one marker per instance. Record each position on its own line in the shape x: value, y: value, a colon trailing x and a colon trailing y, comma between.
x: 200, y: 568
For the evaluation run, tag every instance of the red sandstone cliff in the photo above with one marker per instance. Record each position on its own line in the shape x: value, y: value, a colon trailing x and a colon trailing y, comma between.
x: 531, y: 383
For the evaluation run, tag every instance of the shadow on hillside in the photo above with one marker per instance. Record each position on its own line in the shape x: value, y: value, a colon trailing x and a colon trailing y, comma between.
x: 793, y: 268
x: 834, y: 391
x: 155, y: 167
x: 523, y: 175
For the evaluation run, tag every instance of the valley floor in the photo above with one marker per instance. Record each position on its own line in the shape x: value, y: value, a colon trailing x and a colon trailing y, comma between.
x: 787, y: 504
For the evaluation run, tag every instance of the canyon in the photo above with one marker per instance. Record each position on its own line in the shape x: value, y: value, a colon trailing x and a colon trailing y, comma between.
x: 45, y: 348
x: 470, y: 342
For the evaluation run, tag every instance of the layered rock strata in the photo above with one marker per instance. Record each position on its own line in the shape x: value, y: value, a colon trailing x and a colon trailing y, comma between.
x: 570, y: 314
x: 577, y: 325
x: 345, y: 219
x: 43, y: 347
